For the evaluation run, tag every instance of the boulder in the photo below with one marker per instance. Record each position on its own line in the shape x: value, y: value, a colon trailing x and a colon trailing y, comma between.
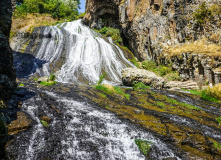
x: 135, y: 75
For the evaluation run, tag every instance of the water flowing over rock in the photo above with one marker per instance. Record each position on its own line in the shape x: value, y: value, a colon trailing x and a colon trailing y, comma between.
x: 135, y: 75
x: 72, y: 51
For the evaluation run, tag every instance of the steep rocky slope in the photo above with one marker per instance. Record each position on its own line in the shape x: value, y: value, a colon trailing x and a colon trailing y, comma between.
x: 150, y: 26
x: 7, y: 72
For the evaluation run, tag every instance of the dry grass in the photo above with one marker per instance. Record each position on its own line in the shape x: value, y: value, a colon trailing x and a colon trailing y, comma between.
x: 202, y: 47
x: 110, y: 87
x: 31, y: 21
x: 215, y: 91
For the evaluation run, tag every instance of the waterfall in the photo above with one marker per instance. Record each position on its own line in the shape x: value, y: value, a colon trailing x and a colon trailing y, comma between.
x: 76, y: 53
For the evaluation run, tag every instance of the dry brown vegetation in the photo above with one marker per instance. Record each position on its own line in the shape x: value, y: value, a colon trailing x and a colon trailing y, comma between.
x: 31, y: 21
x: 202, y: 47
x: 215, y: 91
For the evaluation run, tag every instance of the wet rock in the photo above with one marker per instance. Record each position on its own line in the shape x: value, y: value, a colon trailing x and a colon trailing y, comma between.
x: 135, y: 75
x: 137, y: 111
x: 7, y: 71
x: 20, y: 124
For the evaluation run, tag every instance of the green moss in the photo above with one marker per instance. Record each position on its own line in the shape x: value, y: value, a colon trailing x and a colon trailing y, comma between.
x: 190, y: 106
x: 45, y: 83
x: 161, y: 104
x: 218, y: 119
x: 101, y: 79
x: 36, y: 79
x: 44, y: 123
x: 103, y: 95
x: 144, y: 146
x: 119, y: 91
x: 21, y: 85
x: 217, y: 145
x: 135, y: 62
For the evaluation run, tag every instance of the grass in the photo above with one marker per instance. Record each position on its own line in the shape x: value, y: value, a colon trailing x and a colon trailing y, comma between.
x: 30, y: 21
x: 143, y: 145
x: 161, y: 104
x: 103, y: 95
x: 21, y: 85
x: 48, y: 83
x: 140, y: 86
x: 202, y: 47
x: 188, y: 106
x: 108, y: 89
x: 44, y: 123
x: 101, y: 79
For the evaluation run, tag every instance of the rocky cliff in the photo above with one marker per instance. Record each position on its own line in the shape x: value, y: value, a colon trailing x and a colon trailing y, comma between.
x: 148, y: 26
x: 7, y: 72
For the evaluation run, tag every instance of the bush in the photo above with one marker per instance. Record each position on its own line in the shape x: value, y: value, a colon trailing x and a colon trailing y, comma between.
x: 57, y: 8
x: 113, y: 33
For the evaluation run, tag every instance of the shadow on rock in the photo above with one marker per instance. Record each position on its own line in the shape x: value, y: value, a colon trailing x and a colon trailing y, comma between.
x: 26, y: 64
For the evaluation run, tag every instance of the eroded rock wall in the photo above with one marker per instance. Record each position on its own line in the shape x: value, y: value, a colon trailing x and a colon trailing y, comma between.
x: 7, y: 71
x: 148, y: 24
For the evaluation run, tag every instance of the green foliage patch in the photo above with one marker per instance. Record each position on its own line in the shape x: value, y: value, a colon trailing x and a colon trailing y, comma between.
x: 48, y: 83
x: 44, y: 123
x: 21, y: 85
x: 218, y: 119
x: 113, y: 33
x: 57, y: 8
x: 140, y: 86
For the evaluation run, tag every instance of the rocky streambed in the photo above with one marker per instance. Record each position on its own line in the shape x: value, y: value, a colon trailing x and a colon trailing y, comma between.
x: 86, y: 123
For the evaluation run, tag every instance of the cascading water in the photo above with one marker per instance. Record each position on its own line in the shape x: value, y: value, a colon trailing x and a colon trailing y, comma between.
x: 81, y: 54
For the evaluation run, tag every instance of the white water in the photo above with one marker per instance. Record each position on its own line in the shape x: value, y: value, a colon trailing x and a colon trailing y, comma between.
x: 86, y: 55
x: 87, y: 134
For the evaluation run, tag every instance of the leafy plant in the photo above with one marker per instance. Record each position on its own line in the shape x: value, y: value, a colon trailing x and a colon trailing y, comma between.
x: 144, y: 146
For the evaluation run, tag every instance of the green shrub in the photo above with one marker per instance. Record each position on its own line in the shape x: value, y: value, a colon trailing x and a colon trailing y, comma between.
x: 161, y: 104
x: 135, y: 62
x: 144, y: 146
x: 174, y: 76
x: 103, y: 30
x: 149, y: 65
x: 44, y: 123
x: 57, y: 8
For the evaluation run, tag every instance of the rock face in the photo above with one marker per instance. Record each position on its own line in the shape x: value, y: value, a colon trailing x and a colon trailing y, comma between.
x: 147, y: 25
x: 7, y: 72
x: 135, y: 75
